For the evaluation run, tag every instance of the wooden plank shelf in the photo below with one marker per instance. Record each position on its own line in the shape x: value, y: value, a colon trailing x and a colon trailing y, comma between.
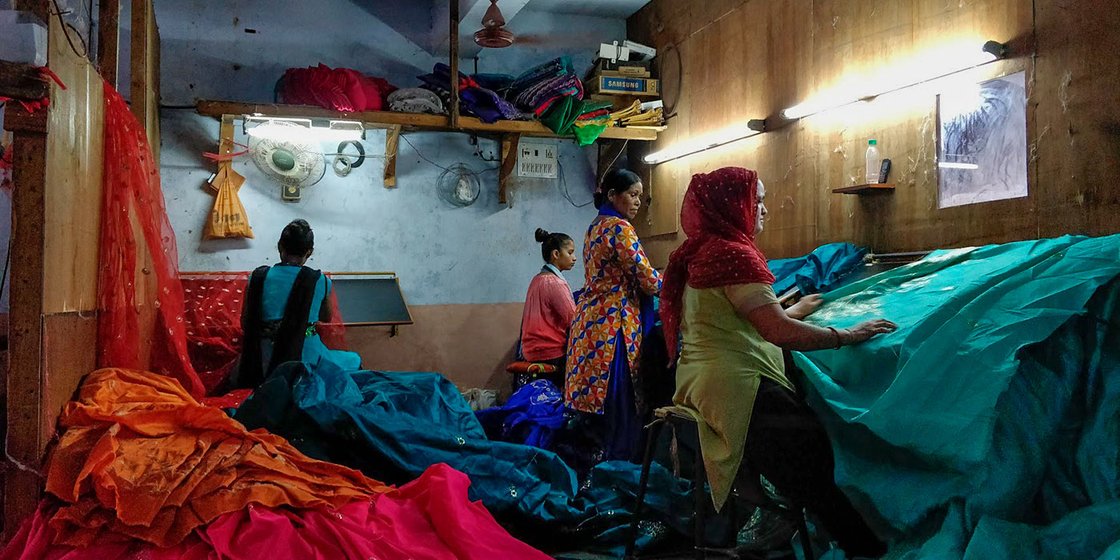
x: 510, y: 132
x: 411, y: 121
x: 865, y: 189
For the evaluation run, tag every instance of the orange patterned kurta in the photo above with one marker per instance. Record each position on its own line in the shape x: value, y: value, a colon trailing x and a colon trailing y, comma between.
x: 616, y: 272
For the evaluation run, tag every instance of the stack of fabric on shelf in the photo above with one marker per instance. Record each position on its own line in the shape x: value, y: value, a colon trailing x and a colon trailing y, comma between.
x: 476, y: 100
x: 338, y: 89
x: 552, y: 91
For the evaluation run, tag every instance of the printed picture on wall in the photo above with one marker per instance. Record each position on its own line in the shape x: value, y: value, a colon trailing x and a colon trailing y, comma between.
x: 982, y: 143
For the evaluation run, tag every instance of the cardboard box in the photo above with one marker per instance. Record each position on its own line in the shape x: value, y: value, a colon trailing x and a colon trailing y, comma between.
x: 624, y: 85
x: 605, y: 67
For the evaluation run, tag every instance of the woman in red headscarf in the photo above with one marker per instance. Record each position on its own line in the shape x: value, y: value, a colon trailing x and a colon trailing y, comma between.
x: 731, y: 374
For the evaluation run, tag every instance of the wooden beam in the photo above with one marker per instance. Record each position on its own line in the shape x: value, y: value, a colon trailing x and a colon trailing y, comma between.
x: 22, y: 81
x: 392, y: 137
x: 453, y: 62
x: 413, y: 121
x: 41, y: 8
x: 508, y: 160
x: 108, y: 39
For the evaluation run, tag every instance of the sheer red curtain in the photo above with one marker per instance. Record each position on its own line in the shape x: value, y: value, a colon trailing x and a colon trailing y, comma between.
x: 135, y: 231
x: 195, y: 333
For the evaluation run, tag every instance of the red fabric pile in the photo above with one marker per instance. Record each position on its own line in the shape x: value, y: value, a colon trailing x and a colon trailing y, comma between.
x: 145, y: 471
x: 338, y: 89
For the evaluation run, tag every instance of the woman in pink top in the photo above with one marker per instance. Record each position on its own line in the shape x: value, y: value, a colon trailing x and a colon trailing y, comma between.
x: 549, y: 306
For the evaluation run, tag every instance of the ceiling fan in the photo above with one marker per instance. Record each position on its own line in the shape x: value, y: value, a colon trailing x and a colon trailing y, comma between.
x: 493, y: 34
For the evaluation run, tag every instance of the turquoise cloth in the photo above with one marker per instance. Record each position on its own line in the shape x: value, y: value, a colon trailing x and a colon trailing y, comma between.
x: 988, y: 425
x: 274, y: 298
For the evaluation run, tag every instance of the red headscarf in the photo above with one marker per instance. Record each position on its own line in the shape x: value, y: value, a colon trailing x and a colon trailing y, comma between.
x: 718, y: 215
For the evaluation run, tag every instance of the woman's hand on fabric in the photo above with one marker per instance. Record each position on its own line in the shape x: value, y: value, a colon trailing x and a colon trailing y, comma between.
x: 868, y: 330
x: 805, y: 306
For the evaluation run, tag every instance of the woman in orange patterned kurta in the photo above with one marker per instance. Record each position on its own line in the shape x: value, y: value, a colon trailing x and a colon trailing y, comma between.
x: 607, y: 332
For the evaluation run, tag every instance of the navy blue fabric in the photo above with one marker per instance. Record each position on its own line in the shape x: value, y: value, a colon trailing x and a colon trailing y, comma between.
x: 532, y: 416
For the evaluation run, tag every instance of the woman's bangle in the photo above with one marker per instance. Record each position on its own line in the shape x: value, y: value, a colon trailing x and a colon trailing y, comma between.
x: 837, y: 335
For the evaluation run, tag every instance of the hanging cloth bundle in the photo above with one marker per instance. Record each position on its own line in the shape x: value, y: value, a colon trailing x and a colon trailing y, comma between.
x: 228, y: 218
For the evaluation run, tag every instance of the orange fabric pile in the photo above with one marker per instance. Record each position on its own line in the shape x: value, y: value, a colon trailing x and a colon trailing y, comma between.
x: 140, y: 457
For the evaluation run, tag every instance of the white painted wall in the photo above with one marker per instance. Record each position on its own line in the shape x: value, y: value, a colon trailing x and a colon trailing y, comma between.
x: 481, y: 254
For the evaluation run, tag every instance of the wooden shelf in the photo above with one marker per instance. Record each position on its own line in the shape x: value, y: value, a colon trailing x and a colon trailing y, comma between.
x: 411, y: 121
x: 865, y: 189
x: 510, y: 132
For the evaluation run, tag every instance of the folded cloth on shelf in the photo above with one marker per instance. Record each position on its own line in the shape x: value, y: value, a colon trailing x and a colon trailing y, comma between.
x: 415, y: 100
x: 338, y: 89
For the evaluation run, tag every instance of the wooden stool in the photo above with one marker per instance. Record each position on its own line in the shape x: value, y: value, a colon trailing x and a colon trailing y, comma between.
x: 679, y: 419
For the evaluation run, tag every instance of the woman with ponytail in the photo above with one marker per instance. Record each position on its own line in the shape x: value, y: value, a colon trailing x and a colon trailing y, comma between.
x: 549, y: 306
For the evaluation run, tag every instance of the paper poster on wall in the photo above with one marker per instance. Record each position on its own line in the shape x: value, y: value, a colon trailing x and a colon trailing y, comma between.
x: 982, y: 142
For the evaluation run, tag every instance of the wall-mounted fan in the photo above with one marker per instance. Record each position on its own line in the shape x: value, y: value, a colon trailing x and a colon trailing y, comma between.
x: 295, y: 165
x: 458, y: 185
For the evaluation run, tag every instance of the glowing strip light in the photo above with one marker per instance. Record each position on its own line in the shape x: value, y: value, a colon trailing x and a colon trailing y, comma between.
x: 706, y: 142
x: 955, y: 165
x: 989, y: 52
x: 301, y: 130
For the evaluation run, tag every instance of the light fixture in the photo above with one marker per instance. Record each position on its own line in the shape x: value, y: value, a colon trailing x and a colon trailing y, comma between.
x: 699, y: 144
x: 302, y: 130
x: 928, y: 68
x: 957, y: 165
x: 996, y: 49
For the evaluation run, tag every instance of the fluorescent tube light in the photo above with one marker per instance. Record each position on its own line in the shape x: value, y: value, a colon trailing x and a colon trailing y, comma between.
x: 699, y: 144
x: 924, y: 68
x: 303, y: 130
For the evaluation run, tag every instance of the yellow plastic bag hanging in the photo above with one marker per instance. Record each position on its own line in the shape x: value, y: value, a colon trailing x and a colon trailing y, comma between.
x: 228, y: 218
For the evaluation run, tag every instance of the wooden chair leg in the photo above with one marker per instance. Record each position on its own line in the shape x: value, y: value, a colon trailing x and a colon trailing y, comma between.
x: 643, y: 482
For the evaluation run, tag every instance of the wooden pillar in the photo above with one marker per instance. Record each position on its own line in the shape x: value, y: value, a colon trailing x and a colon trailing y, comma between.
x: 453, y: 62
x: 392, y: 137
x: 508, y: 160
x: 23, y: 447
x: 108, y: 39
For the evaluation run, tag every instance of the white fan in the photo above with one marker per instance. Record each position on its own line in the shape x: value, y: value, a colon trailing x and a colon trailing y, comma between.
x: 458, y: 185
x: 294, y: 164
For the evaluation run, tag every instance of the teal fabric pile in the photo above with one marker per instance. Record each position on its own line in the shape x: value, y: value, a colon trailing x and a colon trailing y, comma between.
x: 988, y: 426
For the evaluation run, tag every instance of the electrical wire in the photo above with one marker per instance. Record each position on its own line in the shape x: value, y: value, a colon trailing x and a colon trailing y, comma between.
x: 65, y: 31
x: 609, y: 166
x: 564, y: 187
x: 422, y: 156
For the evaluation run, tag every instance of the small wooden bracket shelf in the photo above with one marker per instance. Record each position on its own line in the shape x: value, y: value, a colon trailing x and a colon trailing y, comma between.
x: 865, y: 189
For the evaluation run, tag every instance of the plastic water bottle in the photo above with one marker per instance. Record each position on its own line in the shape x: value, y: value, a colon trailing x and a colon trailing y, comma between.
x: 873, y: 162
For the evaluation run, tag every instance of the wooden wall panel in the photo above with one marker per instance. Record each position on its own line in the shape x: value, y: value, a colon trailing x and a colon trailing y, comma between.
x: 68, y: 343
x: 73, y: 174
x: 764, y: 56
x: 1077, y: 133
